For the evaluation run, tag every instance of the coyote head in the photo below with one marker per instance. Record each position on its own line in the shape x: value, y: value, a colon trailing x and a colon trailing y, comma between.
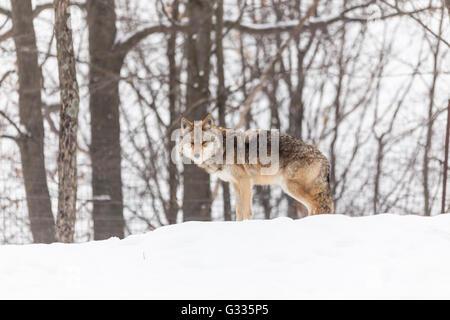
x: 200, y: 140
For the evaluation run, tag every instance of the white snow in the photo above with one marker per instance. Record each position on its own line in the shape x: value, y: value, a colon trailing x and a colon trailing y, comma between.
x: 266, y: 26
x: 328, y: 256
x: 102, y: 197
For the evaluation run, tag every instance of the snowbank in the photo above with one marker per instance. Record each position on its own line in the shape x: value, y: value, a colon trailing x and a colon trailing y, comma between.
x: 328, y: 256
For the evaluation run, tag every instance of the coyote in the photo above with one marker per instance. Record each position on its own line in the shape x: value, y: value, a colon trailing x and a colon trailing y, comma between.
x: 301, y: 170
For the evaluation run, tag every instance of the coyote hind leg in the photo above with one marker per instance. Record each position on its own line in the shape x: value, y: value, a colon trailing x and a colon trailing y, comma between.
x: 320, y: 199
x: 317, y: 197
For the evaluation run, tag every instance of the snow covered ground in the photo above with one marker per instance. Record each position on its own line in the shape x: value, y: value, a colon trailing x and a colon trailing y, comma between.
x: 328, y: 256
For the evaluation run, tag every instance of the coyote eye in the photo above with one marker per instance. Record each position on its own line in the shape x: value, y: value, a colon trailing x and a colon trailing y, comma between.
x: 204, y: 143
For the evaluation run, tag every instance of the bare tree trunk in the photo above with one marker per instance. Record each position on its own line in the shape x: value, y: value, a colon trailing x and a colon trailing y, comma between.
x: 426, y: 159
x: 32, y: 144
x: 337, y: 116
x: 197, y: 193
x: 296, y: 113
x: 222, y: 98
x: 243, y: 66
x: 173, y: 88
x: 430, y: 123
x: 264, y: 192
x: 378, y: 172
x: 447, y: 142
x: 105, y: 125
x: 70, y: 101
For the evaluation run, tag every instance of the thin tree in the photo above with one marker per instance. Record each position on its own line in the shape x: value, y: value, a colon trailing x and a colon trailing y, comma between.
x: 197, y: 192
x: 31, y: 139
x: 107, y: 55
x: 222, y: 97
x: 105, y: 65
x: 70, y: 101
x: 430, y: 122
x: 447, y: 141
x: 172, y: 210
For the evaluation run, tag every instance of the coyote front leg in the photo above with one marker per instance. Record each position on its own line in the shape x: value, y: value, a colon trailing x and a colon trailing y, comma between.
x: 237, y: 201
x: 245, y: 190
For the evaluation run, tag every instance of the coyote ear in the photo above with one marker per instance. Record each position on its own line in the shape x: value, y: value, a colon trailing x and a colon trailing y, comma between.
x: 208, y: 122
x: 186, y: 125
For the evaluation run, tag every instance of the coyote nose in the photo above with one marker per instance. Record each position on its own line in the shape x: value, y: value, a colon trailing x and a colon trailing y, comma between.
x: 197, y: 155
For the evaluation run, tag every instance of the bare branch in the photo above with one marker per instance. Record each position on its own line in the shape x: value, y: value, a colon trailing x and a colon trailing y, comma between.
x: 266, y: 73
x: 5, y: 12
x: 290, y: 26
x: 8, y: 34
x: 4, y: 115
x: 5, y: 76
x: 39, y: 8
x: 125, y: 46
x: 5, y: 136
x: 411, y: 15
